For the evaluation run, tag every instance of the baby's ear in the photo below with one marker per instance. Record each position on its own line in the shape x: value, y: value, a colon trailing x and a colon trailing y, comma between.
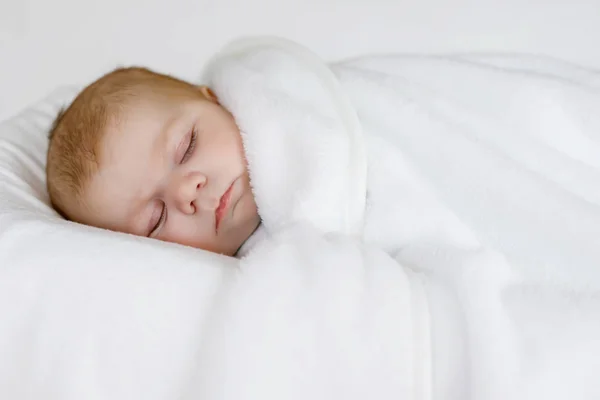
x: 208, y: 94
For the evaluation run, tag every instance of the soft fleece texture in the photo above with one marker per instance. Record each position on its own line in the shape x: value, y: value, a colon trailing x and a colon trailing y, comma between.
x: 432, y: 231
x: 482, y: 177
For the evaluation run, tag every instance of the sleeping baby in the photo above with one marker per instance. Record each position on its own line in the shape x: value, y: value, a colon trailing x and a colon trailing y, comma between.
x: 418, y: 244
x: 151, y: 155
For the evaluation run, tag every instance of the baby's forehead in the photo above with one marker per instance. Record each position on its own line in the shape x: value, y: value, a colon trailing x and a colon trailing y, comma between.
x: 132, y: 113
x: 133, y: 133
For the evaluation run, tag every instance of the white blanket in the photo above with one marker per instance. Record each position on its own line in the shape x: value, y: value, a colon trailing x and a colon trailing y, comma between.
x: 432, y: 229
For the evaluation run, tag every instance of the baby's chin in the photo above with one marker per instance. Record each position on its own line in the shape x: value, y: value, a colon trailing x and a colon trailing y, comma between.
x: 247, y: 243
x: 243, y: 235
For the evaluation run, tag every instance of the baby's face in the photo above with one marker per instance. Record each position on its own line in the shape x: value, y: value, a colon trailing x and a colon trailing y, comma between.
x: 174, y: 169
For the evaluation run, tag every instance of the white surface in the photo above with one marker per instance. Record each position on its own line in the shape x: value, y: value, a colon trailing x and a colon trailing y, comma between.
x: 44, y: 44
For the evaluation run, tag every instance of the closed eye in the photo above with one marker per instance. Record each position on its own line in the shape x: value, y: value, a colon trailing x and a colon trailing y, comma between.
x: 191, y: 146
x: 160, y: 222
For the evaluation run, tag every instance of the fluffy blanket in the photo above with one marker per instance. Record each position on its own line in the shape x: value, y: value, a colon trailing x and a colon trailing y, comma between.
x: 431, y: 229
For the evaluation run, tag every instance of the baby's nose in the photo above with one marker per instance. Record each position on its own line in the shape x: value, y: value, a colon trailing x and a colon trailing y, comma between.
x: 189, y: 192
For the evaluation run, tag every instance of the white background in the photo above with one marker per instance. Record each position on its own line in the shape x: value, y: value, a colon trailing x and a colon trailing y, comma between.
x: 46, y: 43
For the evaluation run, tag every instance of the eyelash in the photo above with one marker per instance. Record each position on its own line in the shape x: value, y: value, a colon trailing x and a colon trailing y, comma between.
x: 191, y: 147
x: 161, y: 220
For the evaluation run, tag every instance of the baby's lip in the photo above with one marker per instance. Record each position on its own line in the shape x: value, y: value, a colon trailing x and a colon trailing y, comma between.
x: 223, y: 205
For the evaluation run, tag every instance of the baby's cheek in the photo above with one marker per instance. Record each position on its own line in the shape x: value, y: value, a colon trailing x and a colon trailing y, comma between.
x: 190, y: 231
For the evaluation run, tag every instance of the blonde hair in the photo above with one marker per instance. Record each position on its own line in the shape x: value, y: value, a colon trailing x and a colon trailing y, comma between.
x: 76, y: 134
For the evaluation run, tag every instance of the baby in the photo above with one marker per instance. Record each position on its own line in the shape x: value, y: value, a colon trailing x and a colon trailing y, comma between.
x: 150, y: 155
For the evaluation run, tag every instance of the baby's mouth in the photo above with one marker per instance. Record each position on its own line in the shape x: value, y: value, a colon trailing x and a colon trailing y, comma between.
x: 223, y: 205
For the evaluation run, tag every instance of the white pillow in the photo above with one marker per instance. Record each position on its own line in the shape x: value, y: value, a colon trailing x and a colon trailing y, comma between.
x: 87, y: 313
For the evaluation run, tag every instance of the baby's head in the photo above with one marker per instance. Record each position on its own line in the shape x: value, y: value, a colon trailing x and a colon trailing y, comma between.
x: 147, y: 154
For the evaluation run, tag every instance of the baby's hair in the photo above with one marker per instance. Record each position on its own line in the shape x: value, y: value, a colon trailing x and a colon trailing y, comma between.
x: 75, y: 136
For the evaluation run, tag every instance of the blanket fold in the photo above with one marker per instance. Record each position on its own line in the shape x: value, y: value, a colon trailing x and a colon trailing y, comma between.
x: 317, y: 171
